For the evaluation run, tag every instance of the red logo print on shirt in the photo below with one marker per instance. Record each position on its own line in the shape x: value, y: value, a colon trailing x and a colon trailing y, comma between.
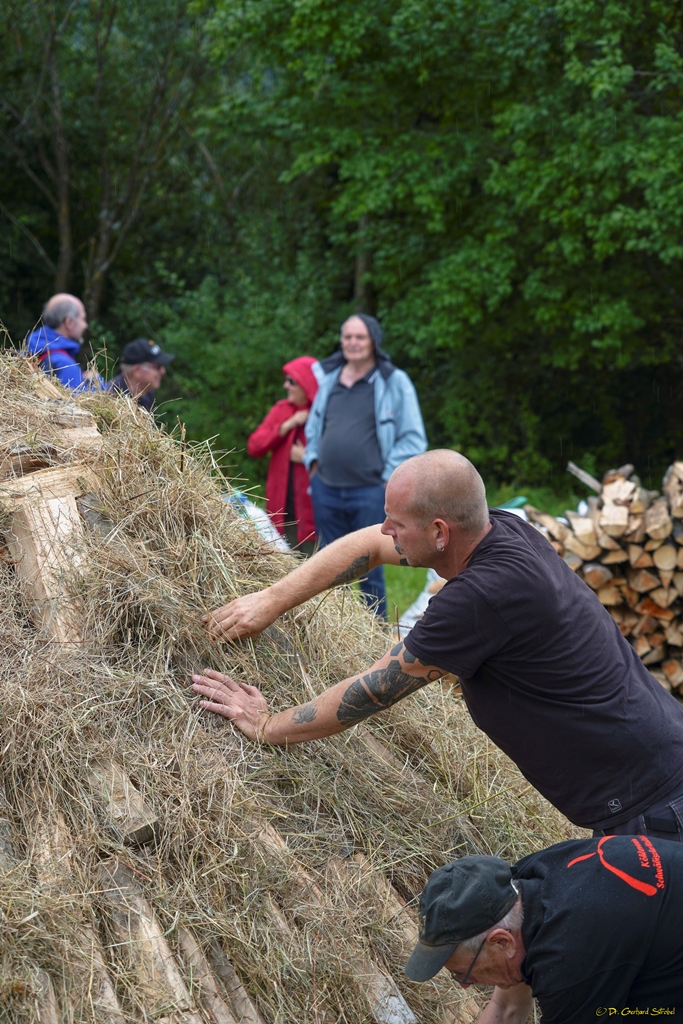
x: 652, y: 864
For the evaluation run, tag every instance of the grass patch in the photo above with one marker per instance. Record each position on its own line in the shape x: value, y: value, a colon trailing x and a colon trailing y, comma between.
x: 404, y: 583
x: 544, y: 498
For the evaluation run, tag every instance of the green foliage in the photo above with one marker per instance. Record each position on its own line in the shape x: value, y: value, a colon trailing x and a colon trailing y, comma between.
x: 499, y: 183
x: 509, y: 171
x: 96, y: 99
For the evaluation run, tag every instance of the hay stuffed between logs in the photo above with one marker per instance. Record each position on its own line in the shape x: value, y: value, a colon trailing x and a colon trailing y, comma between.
x: 287, y: 869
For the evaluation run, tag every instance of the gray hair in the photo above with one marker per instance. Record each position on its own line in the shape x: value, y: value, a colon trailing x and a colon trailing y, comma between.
x: 55, y: 313
x: 512, y: 922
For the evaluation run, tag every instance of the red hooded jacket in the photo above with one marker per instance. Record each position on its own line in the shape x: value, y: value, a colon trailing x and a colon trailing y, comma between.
x: 267, y: 439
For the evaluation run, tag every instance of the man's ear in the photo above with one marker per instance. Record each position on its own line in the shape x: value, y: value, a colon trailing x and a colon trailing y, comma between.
x: 442, y: 534
x: 504, y: 940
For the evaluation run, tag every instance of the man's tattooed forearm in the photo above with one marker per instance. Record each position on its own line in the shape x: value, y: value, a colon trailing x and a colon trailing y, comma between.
x: 380, y: 689
x: 305, y: 714
x: 358, y: 567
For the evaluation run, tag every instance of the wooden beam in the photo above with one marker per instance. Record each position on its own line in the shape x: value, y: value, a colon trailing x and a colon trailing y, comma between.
x: 379, y: 989
x: 52, y: 864
x: 47, y: 1006
x: 45, y: 541
x: 203, y: 979
x: 133, y: 820
x: 141, y: 943
x: 243, y: 1007
x: 358, y: 872
x: 584, y: 477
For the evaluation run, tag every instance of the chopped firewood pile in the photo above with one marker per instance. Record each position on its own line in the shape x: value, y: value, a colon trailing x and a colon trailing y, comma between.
x: 154, y: 865
x: 628, y: 548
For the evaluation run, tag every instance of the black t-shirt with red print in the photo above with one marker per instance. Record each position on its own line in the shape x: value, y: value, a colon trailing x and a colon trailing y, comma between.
x: 603, y: 929
x: 549, y: 677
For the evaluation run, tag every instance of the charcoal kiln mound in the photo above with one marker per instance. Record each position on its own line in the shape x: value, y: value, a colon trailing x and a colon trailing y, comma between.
x: 154, y: 865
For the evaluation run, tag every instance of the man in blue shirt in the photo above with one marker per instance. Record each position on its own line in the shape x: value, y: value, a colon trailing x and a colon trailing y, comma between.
x: 57, y: 343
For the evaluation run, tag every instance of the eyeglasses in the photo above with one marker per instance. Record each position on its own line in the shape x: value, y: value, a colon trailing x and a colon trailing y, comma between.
x: 466, y: 976
x: 288, y: 380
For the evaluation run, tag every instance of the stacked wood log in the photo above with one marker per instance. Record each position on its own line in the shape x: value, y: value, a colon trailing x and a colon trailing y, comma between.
x: 628, y: 547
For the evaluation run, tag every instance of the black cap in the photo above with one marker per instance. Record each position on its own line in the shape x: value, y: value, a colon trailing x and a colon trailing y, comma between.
x: 460, y: 900
x: 143, y: 350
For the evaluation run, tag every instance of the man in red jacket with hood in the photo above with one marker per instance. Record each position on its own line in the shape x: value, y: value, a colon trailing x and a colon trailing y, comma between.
x: 282, y: 433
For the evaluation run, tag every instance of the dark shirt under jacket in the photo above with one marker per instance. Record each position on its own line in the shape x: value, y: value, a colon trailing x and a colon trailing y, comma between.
x: 601, y: 928
x: 145, y: 400
x: 549, y: 677
x: 349, y: 453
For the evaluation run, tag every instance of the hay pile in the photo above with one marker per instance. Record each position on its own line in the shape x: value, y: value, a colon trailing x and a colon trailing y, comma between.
x: 264, y: 884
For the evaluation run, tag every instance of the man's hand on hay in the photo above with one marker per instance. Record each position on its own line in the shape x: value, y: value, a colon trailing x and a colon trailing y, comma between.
x: 341, y: 562
x: 394, y: 676
x: 245, y: 616
x: 244, y: 705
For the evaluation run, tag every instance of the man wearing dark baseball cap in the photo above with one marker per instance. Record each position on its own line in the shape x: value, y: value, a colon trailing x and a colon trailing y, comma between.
x: 143, y: 366
x: 587, y: 927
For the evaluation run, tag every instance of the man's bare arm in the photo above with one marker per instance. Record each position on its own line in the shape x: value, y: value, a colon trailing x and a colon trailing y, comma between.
x: 389, y: 680
x: 345, y: 560
x: 508, y: 1006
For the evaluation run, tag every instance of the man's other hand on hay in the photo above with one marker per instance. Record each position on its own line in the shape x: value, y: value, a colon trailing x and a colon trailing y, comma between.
x: 244, y: 705
x: 390, y: 679
x: 545, y: 672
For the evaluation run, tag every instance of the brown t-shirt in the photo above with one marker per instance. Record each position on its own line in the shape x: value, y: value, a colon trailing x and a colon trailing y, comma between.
x: 549, y: 677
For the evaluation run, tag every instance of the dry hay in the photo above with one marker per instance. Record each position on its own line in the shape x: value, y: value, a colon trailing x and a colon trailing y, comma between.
x: 279, y: 860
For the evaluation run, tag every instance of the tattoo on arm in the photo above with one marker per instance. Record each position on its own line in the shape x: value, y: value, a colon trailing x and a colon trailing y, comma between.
x: 382, y: 688
x: 305, y: 714
x: 399, y: 649
x: 357, y: 568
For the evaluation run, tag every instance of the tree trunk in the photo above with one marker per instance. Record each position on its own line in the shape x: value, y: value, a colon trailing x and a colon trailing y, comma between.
x: 362, y: 288
x: 65, y: 259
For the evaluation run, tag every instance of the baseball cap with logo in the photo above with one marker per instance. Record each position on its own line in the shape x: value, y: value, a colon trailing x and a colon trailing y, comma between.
x: 143, y: 350
x: 460, y: 900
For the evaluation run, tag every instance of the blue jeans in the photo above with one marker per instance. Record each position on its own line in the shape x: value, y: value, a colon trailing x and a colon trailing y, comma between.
x: 341, y: 510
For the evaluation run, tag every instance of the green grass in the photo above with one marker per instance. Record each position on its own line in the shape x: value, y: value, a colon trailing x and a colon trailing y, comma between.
x: 403, y: 585
x: 544, y: 498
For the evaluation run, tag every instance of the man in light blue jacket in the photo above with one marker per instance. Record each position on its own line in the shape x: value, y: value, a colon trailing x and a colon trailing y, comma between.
x: 364, y: 422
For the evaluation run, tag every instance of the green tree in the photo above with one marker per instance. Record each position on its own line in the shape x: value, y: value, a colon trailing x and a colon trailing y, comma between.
x: 503, y: 178
x: 499, y: 183
x: 95, y: 99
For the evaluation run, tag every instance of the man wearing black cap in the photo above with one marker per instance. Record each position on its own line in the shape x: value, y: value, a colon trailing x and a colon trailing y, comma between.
x: 143, y: 366
x: 365, y: 421
x: 590, y: 928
